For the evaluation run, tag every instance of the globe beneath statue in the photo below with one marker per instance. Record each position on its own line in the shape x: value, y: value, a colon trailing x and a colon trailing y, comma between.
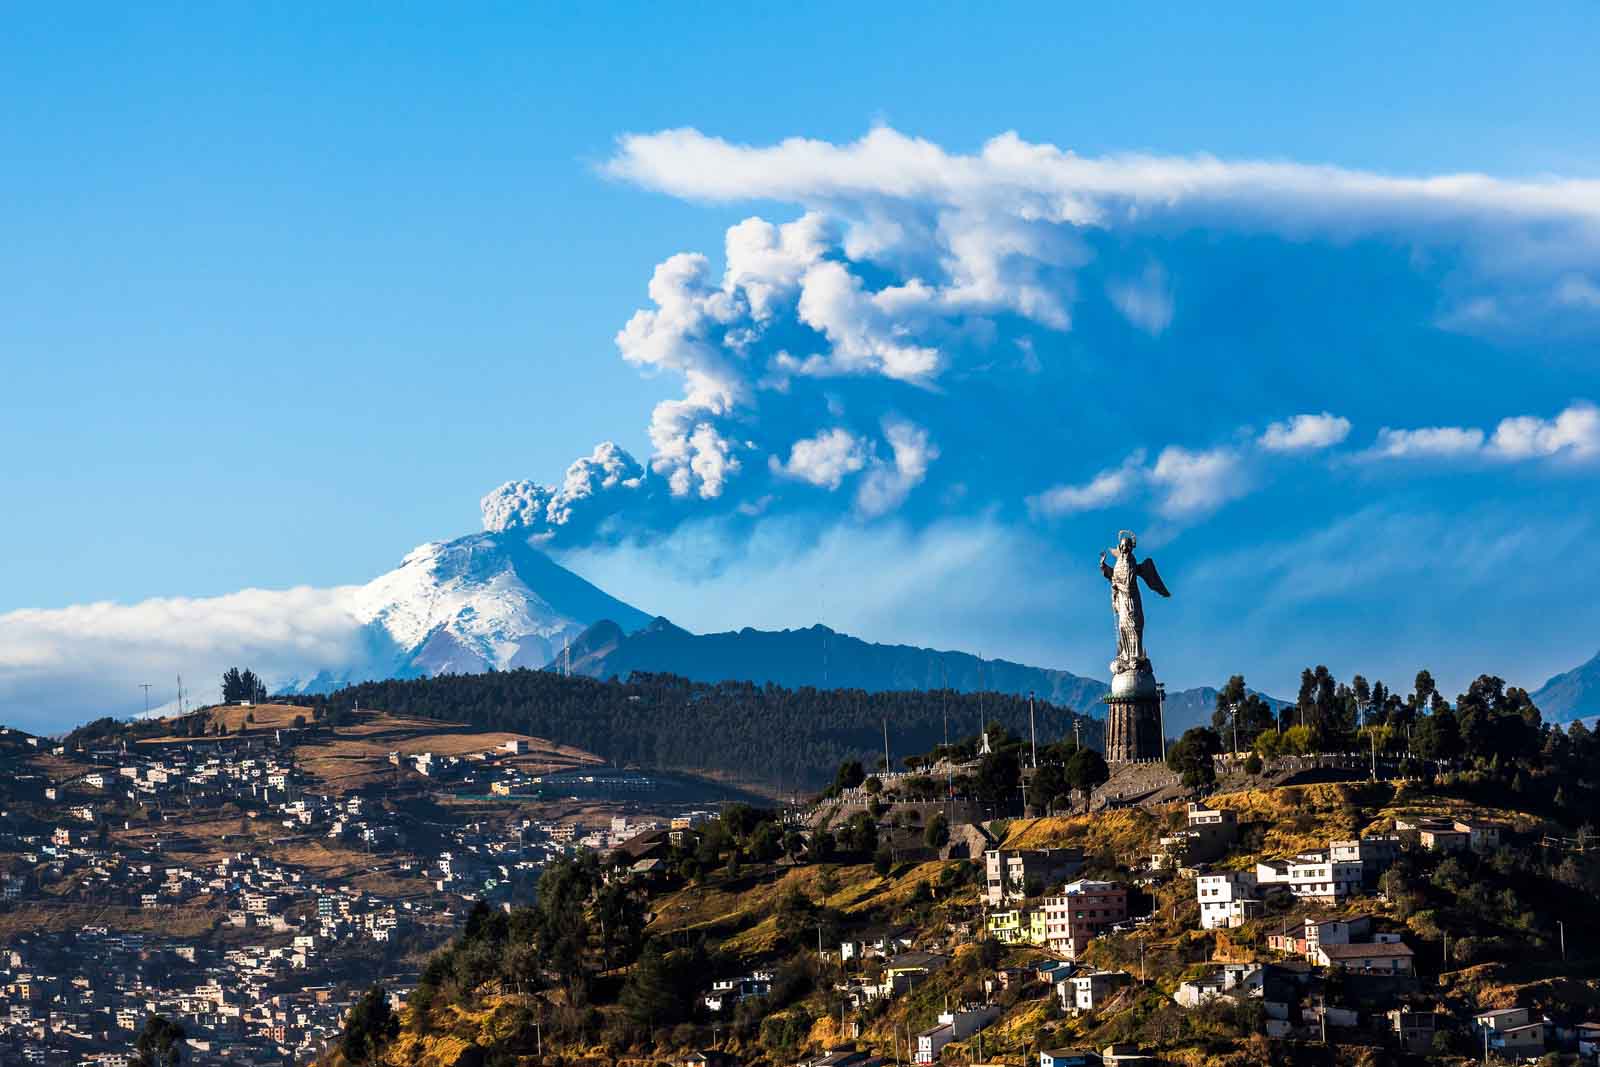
x: 1134, y: 684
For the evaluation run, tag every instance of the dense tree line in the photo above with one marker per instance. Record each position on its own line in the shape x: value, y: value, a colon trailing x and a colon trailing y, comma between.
x: 792, y: 737
x: 1492, y: 737
x: 240, y: 685
x: 1490, y: 718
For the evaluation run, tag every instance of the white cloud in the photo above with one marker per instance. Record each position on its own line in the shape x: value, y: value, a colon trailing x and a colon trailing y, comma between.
x: 824, y: 460
x: 66, y: 665
x: 1427, y: 442
x: 1109, y: 487
x: 887, y: 485
x: 1305, y: 432
x: 1188, y: 484
x: 1578, y: 292
x: 910, y: 267
x: 1043, y: 182
x: 1145, y: 301
x: 867, y: 331
x: 1574, y: 432
x: 702, y: 462
x: 1196, y: 483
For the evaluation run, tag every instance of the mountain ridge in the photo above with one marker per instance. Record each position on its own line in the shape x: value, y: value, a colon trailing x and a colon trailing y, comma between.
x: 820, y: 657
x: 1573, y: 694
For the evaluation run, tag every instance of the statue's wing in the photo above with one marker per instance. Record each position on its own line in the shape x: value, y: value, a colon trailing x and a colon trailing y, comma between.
x: 1147, y: 571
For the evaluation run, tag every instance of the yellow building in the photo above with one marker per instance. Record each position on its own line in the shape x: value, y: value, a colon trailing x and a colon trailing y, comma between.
x: 1018, y: 926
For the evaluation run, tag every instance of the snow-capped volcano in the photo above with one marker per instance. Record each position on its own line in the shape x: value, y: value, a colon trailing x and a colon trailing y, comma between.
x: 488, y: 601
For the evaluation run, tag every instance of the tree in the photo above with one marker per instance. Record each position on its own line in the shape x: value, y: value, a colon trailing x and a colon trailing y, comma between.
x: 883, y: 861
x: 766, y: 844
x: 655, y: 993
x: 562, y: 923
x: 160, y: 1043
x: 1437, y: 736
x: 937, y: 834
x: 1048, y: 786
x: 1191, y: 757
x: 1424, y: 690
x: 242, y: 685
x: 851, y: 774
x: 998, y: 776
x: 621, y: 921
x: 1255, y: 716
x: 1087, y: 771
x: 370, y: 1026
x: 859, y: 834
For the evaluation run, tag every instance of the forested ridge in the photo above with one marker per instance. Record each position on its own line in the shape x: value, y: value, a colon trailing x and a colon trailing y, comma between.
x: 790, y: 738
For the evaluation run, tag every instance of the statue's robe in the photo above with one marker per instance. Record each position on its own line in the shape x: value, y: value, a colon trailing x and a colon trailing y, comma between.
x: 1129, y: 609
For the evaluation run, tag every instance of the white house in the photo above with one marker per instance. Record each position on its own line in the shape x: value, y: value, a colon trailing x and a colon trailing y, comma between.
x: 1227, y: 899
x: 1235, y: 979
x: 1087, y: 992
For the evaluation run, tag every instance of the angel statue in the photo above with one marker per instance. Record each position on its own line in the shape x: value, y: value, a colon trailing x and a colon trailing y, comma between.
x: 1125, y: 601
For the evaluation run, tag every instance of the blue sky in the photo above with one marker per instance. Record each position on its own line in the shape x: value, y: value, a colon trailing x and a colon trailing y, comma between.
x: 283, y: 294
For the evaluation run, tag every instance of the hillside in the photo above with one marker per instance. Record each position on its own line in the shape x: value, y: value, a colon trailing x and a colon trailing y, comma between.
x: 767, y: 735
x: 771, y: 917
x: 354, y: 753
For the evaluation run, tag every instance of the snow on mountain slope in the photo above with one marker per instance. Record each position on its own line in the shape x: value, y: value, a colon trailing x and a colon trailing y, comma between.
x: 481, y: 602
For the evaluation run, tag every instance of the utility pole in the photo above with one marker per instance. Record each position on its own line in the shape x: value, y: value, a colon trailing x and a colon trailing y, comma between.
x: 949, y: 767
x: 1234, y: 708
x: 887, y: 766
x: 1033, y: 731
x: 1161, y: 712
x: 1373, y: 734
x: 1561, y: 928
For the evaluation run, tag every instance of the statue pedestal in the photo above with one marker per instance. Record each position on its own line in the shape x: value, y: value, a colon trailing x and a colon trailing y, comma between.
x: 1133, y: 716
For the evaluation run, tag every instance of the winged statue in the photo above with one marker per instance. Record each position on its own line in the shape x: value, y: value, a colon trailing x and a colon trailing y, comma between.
x: 1126, y: 602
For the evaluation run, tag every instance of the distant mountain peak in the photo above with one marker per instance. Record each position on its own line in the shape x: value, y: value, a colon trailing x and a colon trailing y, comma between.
x: 1573, y: 694
x: 487, y: 601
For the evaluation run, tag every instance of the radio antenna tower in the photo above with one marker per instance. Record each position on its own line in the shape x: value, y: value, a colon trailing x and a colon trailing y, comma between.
x: 146, y: 687
x: 824, y: 657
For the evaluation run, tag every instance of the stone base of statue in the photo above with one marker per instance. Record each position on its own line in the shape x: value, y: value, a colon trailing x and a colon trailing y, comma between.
x: 1133, y: 715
